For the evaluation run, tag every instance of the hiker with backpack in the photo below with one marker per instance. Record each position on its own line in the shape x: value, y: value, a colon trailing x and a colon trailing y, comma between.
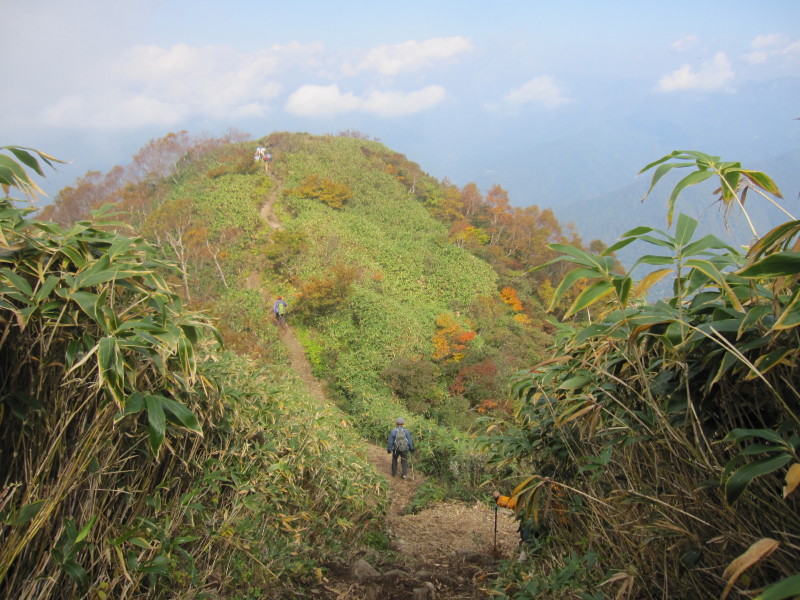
x: 399, y: 446
x: 279, y: 309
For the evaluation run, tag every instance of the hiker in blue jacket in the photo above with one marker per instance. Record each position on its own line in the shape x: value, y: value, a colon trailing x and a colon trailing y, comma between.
x: 400, y: 444
x: 279, y: 310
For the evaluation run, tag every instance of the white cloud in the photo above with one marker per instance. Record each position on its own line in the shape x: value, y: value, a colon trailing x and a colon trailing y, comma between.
x: 320, y: 100
x: 151, y: 85
x: 685, y: 43
x: 111, y: 111
x: 166, y: 86
x: 713, y: 75
x: 329, y: 100
x: 412, y: 55
x: 542, y: 90
x: 392, y: 104
x: 765, y: 47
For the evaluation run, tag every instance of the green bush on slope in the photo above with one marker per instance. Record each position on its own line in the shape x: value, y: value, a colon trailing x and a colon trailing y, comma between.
x: 140, y: 459
x: 212, y: 229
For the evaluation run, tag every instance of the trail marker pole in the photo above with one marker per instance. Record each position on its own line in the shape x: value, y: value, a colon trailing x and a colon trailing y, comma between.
x: 495, y: 529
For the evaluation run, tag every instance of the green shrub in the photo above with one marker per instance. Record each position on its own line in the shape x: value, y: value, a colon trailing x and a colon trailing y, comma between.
x: 680, y: 416
x: 112, y: 399
x: 140, y: 459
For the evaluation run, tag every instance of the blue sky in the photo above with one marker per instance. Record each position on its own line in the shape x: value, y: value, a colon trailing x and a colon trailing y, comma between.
x: 443, y: 82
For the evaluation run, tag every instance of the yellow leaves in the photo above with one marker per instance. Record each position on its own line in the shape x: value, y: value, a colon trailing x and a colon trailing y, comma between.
x: 325, y: 190
x: 546, y: 292
x: 532, y: 496
x: 761, y: 549
x: 527, y: 486
x: 576, y: 411
x: 509, y: 296
x: 227, y: 531
x: 287, y: 521
x: 13, y: 174
x: 450, y: 340
x: 649, y: 281
x: 792, y: 480
x: 445, y: 321
x: 487, y: 405
x: 467, y: 236
x: 441, y: 347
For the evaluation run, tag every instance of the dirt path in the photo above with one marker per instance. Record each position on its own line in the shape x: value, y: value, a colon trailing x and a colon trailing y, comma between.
x: 268, y: 212
x: 449, y: 546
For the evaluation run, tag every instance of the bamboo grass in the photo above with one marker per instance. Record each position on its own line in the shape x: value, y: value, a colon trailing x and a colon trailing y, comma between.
x: 646, y: 421
x: 170, y: 496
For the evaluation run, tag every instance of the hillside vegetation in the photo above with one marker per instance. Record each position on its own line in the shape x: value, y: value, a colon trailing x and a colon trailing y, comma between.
x: 656, y: 450
x: 208, y: 468
x: 402, y: 303
x: 140, y: 459
x: 157, y: 450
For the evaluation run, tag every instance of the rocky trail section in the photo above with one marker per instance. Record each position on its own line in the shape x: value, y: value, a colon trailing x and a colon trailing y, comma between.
x: 444, y: 552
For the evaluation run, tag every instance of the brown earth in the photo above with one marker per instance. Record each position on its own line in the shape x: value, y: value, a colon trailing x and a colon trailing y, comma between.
x: 446, y: 551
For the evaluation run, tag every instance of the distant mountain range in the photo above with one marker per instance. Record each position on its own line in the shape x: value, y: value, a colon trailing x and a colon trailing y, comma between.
x: 589, y: 180
x: 608, y: 215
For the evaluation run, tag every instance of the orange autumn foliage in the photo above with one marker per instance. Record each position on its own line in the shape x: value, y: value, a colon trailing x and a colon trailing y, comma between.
x: 450, y: 340
x: 465, y: 337
x: 509, y: 296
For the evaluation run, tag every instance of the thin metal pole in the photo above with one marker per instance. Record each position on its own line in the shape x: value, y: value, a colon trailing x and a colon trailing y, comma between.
x: 495, y: 529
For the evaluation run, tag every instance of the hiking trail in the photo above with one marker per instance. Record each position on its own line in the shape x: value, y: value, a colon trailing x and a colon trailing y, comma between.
x: 446, y: 551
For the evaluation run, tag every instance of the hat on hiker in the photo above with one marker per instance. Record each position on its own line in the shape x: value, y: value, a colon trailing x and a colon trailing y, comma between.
x: 400, y: 421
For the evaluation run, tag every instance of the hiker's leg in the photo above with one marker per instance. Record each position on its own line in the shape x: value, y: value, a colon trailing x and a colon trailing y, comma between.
x: 394, y: 464
x: 404, y: 456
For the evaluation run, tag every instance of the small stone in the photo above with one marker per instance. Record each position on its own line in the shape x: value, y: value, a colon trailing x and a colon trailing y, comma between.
x: 362, y: 570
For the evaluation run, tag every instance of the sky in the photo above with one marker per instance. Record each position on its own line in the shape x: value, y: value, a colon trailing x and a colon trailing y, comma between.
x: 507, y: 92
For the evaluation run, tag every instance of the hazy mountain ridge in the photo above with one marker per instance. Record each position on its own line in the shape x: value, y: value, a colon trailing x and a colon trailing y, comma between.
x: 609, y: 215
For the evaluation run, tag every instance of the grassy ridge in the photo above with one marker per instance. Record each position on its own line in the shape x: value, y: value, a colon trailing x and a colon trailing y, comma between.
x: 138, y: 458
x: 408, y: 275
x: 247, y: 507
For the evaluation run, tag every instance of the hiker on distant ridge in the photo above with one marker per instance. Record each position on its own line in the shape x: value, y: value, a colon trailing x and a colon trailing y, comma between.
x: 279, y: 310
x: 399, y: 446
